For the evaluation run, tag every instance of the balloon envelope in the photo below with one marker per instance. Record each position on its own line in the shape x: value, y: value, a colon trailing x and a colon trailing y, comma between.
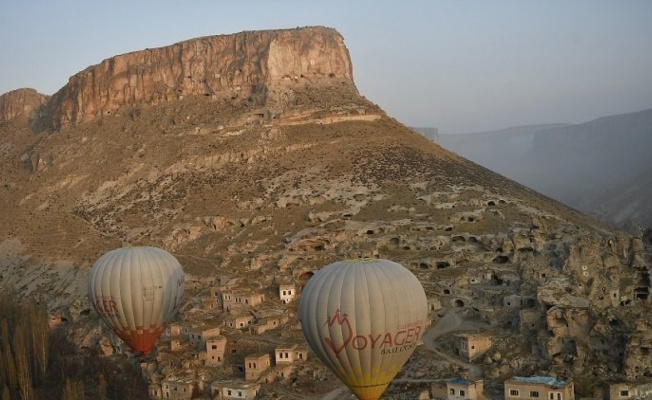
x: 136, y: 291
x: 364, y: 318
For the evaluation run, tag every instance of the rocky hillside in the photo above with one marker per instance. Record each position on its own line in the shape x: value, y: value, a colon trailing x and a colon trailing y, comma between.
x: 255, y: 157
x: 601, y: 167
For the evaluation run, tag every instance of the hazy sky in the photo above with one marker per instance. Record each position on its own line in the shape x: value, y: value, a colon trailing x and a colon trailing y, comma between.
x: 461, y: 66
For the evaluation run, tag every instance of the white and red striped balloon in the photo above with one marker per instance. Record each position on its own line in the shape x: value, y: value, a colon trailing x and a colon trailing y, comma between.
x: 137, y: 291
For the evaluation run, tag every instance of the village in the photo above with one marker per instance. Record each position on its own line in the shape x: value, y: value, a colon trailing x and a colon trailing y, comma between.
x: 254, y: 343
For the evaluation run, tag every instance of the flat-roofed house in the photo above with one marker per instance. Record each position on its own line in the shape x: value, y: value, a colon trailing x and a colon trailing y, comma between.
x: 290, y: 354
x: 268, y: 323
x: 215, y: 350
x: 287, y: 292
x: 458, y: 389
x: 239, y: 321
x: 197, y: 335
x: 538, y: 388
x: 177, y: 389
x: 469, y: 346
x: 255, y: 365
x: 239, y: 390
x: 630, y: 391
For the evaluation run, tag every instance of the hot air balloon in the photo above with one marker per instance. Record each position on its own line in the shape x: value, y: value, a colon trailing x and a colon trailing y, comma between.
x: 136, y: 291
x: 363, y: 318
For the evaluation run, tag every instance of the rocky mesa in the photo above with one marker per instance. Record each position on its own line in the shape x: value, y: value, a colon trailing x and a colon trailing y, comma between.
x: 256, y: 64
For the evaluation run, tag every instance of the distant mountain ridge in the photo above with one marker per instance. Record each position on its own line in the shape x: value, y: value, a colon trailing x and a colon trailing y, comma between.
x: 596, y: 167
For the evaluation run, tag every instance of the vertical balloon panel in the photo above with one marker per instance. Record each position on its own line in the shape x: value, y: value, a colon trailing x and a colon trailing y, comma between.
x: 137, y: 291
x: 364, y: 318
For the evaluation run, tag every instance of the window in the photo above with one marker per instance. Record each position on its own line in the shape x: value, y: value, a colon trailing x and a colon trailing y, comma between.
x: 534, y: 393
x: 462, y: 393
x: 214, y: 346
x: 558, y: 396
x: 513, y: 392
x: 452, y: 391
x: 284, y: 293
x: 552, y: 396
x: 624, y: 393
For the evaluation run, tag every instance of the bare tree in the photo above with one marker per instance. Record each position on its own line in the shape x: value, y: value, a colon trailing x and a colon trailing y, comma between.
x: 39, y: 338
x: 74, y: 390
x: 22, y: 359
x: 102, y: 387
x: 10, y: 366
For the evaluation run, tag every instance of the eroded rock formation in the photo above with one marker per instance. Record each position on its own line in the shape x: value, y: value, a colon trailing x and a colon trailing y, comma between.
x: 251, y: 66
x: 21, y: 103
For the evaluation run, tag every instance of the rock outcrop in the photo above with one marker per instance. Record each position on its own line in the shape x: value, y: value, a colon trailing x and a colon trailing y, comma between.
x: 248, y: 66
x: 21, y: 103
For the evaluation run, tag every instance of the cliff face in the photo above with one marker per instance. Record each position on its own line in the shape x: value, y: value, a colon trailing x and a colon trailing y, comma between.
x: 21, y: 103
x: 230, y: 67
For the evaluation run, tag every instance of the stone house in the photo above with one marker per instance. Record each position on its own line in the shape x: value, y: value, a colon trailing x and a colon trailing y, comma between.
x: 147, y: 369
x: 197, y: 335
x: 458, y: 389
x: 239, y: 321
x: 227, y: 299
x: 283, y: 371
x: 173, y: 330
x: 215, y: 350
x: 469, y: 346
x: 268, y: 323
x: 154, y: 391
x: 177, y: 389
x: 234, y: 390
x: 232, y: 300
x: 249, y: 299
x: 538, y: 387
x: 255, y: 365
x: 630, y: 391
x: 288, y: 354
x: 210, y: 302
x: 287, y: 292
